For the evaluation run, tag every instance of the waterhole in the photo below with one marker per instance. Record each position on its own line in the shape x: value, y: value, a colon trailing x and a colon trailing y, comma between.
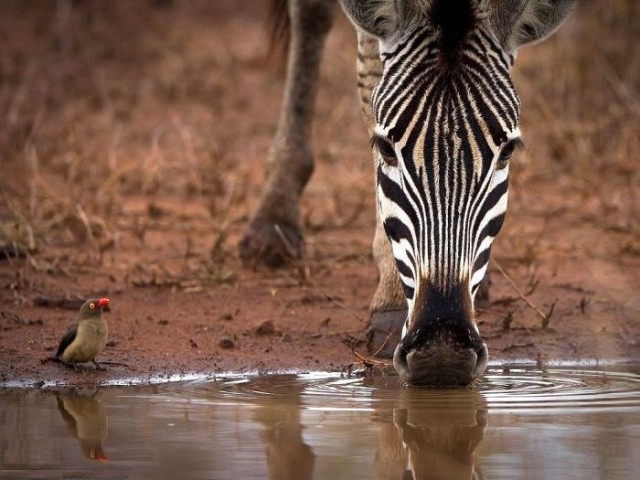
x: 518, y: 423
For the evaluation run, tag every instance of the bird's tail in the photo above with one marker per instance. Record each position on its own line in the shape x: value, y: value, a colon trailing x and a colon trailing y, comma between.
x: 53, y: 358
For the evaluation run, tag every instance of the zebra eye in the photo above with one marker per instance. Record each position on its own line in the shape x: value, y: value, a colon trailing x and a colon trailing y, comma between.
x: 507, y: 151
x: 387, y: 152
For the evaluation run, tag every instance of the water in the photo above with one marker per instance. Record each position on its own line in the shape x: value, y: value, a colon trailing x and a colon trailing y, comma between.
x: 521, y: 423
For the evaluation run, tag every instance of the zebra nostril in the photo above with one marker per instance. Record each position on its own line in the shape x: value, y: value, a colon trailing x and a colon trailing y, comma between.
x: 440, y: 365
x: 481, y: 361
x: 400, y: 360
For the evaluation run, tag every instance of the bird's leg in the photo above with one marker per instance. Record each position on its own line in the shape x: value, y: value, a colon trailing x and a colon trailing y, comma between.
x: 98, y: 366
x: 70, y: 365
x: 59, y: 360
x: 67, y: 364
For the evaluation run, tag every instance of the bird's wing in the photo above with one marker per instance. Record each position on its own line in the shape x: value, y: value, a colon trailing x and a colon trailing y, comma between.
x: 67, y: 339
x: 68, y: 418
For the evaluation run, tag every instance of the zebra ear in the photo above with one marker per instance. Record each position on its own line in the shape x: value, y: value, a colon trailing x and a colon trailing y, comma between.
x: 376, y: 17
x: 520, y: 22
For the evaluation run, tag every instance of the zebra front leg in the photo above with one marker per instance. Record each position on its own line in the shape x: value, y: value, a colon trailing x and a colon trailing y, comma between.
x: 388, y: 308
x: 274, y: 235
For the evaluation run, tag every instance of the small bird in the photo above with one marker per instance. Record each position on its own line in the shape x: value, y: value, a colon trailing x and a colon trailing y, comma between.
x: 86, y: 337
x: 88, y: 422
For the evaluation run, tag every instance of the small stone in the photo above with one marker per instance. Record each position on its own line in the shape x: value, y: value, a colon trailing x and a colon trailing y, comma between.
x: 155, y: 211
x: 226, y: 343
x: 266, y: 328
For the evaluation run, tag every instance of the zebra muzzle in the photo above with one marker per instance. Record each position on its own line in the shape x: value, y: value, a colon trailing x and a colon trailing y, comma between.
x: 440, y: 364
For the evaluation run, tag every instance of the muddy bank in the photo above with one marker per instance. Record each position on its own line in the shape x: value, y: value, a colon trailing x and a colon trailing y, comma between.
x: 133, y: 157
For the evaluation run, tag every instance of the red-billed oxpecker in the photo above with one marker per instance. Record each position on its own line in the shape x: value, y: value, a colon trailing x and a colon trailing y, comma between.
x: 86, y: 337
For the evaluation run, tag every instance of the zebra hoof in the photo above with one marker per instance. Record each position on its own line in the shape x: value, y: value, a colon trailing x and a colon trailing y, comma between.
x: 270, y: 244
x: 384, y: 332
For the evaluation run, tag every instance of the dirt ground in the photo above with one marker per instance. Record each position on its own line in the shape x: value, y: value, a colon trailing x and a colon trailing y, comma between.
x: 132, y: 153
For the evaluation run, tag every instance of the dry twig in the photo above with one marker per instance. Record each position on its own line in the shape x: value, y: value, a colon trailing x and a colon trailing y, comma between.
x: 546, y: 317
x: 368, y: 363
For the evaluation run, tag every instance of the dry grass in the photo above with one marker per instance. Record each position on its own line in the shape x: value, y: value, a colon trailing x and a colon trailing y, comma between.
x: 581, y: 108
x: 118, y: 125
x: 99, y: 113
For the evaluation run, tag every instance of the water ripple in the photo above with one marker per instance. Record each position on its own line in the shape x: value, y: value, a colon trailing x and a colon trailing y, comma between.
x: 563, y: 390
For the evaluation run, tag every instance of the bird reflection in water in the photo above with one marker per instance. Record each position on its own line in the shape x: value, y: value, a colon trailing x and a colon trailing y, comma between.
x: 85, y: 418
x: 431, y: 434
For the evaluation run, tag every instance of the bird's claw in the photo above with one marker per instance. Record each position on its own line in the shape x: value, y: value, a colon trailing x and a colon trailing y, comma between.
x: 102, y: 368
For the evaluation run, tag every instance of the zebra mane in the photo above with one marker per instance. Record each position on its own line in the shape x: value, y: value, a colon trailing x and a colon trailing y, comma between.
x: 454, y: 19
x: 514, y: 22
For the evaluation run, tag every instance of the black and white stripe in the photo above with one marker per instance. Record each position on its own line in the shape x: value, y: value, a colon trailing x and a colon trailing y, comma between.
x: 443, y: 199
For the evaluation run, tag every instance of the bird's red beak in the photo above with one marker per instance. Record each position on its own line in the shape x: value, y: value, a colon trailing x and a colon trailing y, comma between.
x: 103, y: 302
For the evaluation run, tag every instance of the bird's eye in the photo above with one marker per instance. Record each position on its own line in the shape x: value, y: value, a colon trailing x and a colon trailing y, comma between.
x: 92, y: 306
x: 507, y: 151
x: 386, y: 150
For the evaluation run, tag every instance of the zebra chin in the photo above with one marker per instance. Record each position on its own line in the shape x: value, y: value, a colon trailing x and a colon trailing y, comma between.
x: 440, y: 364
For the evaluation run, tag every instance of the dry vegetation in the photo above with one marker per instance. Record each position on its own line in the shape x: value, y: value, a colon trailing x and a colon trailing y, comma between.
x: 104, y: 103
x: 117, y: 114
x: 134, y: 134
x: 581, y: 108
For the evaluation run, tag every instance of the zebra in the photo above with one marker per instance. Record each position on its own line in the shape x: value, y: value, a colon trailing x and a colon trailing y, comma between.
x: 443, y: 115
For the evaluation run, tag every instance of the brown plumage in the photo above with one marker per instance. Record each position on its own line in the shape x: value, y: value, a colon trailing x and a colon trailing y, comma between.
x: 88, y: 422
x: 86, y: 337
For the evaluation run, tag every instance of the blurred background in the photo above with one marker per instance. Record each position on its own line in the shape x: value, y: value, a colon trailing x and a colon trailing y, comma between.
x: 104, y: 102
x: 134, y: 134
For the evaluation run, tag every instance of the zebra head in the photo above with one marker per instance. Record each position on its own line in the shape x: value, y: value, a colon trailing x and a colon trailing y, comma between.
x: 446, y: 123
